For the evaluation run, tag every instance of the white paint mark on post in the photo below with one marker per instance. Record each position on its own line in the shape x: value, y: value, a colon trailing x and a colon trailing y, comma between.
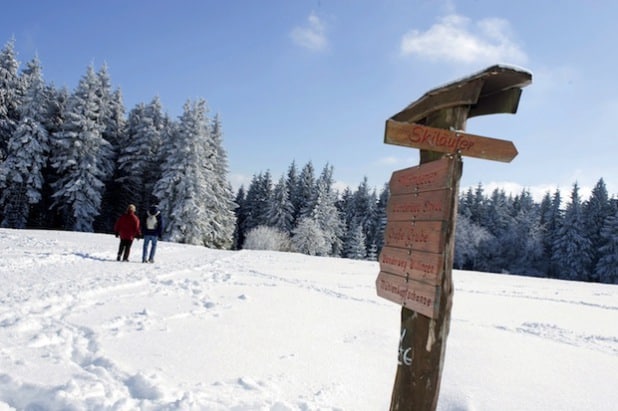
x: 405, y: 354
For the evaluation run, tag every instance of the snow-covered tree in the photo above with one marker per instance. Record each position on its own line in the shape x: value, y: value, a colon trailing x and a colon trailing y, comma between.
x: 359, y: 208
x: 355, y: 242
x: 42, y: 213
x: 81, y: 157
x: 112, y: 120
x: 472, y: 204
x: 309, y: 239
x: 10, y: 95
x: 304, y: 195
x: 188, y: 198
x: 241, y: 212
x: 379, y: 224
x: 522, y: 242
x: 606, y: 269
x: 571, y: 248
x: 326, y: 214
x: 221, y: 203
x: 291, y: 183
x: 280, y: 210
x: 184, y: 173
x: 257, y: 201
x: 21, y: 174
x: 595, y: 211
x: 468, y: 238
x: 497, y: 219
x: 139, y: 165
x: 267, y: 238
x: 551, y: 216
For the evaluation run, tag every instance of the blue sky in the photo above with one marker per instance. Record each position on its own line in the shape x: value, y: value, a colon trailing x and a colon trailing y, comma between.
x: 316, y: 80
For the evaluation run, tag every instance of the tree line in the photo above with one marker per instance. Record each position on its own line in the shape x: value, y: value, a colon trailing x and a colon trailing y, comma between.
x: 74, y: 160
x: 303, y: 212
x: 513, y: 234
x: 495, y: 233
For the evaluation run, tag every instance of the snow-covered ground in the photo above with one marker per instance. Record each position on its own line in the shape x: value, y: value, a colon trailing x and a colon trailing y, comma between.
x: 225, y: 330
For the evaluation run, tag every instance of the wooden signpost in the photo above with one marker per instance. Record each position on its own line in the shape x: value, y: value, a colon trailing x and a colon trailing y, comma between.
x: 417, y: 258
x: 447, y: 141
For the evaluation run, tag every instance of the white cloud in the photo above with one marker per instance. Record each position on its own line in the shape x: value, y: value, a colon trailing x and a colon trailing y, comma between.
x: 456, y: 38
x: 311, y: 36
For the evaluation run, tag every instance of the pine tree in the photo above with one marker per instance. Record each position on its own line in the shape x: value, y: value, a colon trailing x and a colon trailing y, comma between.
x: 81, y: 157
x: 10, y: 95
x: 327, y: 216
x: 291, y: 183
x: 241, y: 213
x: 355, y: 243
x: 21, y: 174
x: 379, y: 224
x: 139, y: 161
x: 279, y: 212
x: 185, y: 188
x: 571, y: 248
x: 497, y: 219
x: 474, y: 204
x: 606, y: 269
x: 305, y: 191
x: 113, y: 123
x: 361, y: 210
x: 595, y: 211
x: 522, y: 242
x: 551, y: 220
x: 42, y: 213
x: 257, y: 202
x: 221, y: 203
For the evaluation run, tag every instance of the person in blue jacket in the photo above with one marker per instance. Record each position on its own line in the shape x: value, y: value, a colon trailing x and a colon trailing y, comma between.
x: 152, y: 230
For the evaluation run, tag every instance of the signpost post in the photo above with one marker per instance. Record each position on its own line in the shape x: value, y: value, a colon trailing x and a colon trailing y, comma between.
x: 417, y: 258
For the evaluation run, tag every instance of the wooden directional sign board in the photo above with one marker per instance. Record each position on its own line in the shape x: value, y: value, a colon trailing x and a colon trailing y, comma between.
x: 414, y: 179
x: 422, y: 235
x: 415, y: 295
x: 431, y: 205
x: 418, y: 219
x: 448, y: 141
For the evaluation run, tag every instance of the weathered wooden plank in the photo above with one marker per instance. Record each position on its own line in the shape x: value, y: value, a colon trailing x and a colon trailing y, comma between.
x: 411, y: 264
x: 426, y: 205
x: 413, y: 295
x: 448, y: 141
x: 420, y: 236
x: 430, y: 176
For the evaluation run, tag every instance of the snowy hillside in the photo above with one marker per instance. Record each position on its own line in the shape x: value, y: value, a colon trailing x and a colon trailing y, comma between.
x: 220, y: 330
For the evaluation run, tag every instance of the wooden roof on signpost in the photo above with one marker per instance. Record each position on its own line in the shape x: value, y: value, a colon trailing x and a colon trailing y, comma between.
x: 494, y: 90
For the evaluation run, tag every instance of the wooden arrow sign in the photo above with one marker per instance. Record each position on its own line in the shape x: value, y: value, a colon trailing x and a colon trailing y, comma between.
x: 448, y: 141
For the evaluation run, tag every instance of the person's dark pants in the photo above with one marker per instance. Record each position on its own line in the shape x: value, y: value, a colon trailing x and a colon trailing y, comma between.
x: 124, y: 249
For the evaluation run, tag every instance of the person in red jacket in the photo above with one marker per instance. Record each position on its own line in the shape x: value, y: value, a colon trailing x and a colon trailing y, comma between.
x: 127, y: 228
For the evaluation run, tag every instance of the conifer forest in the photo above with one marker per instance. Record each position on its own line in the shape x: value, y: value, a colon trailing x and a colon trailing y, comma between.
x: 74, y: 159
